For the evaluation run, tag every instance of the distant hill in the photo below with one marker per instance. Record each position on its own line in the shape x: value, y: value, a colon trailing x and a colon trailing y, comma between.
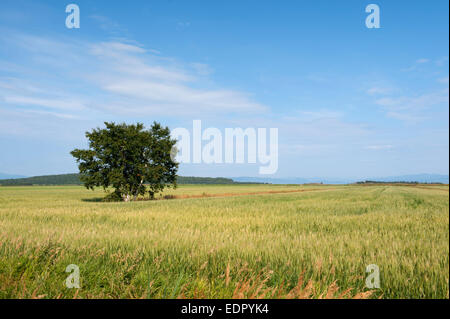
x: 62, y: 179
x: 73, y: 179
x: 419, y: 178
x: 290, y: 180
x: 204, y: 180
x: 9, y: 176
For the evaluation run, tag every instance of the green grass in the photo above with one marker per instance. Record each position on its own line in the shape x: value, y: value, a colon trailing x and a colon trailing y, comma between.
x: 226, y: 247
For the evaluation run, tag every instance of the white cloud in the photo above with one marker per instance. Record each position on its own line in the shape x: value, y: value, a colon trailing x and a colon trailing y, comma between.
x: 413, y: 108
x: 128, y: 60
x: 154, y: 97
x: 50, y: 103
x: 416, y: 64
x: 416, y: 102
x: 55, y: 114
x: 156, y: 85
x: 117, y: 77
x: 406, y: 117
x: 118, y: 46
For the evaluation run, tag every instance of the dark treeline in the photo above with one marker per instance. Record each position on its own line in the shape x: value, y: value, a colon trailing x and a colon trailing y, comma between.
x: 63, y: 179
x: 73, y: 179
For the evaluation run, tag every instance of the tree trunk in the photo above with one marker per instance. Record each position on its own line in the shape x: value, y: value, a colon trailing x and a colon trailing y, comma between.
x: 137, y: 190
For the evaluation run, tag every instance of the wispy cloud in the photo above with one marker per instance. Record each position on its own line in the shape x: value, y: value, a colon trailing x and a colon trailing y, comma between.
x: 422, y: 63
x: 417, y: 63
x: 118, y: 77
x: 423, y: 60
x: 35, y: 98
x: 417, y: 102
x: 49, y: 103
x: 413, y: 108
x: 107, y: 24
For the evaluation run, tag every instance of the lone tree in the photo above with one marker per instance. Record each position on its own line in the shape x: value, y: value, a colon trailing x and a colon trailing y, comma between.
x: 127, y: 157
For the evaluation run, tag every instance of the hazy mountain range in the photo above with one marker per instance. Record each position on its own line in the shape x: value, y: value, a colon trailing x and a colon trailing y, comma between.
x: 421, y: 178
x: 8, y: 176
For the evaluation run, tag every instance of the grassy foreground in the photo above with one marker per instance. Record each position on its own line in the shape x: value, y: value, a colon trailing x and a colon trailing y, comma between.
x: 309, y: 244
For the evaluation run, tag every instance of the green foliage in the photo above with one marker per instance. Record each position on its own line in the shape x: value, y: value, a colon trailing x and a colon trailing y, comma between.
x: 125, y: 156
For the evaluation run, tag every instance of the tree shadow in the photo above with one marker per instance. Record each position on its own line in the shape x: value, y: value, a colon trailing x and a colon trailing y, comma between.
x: 140, y: 199
x: 94, y: 200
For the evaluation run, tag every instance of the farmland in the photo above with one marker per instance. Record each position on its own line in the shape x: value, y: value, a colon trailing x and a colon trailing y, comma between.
x: 227, y: 241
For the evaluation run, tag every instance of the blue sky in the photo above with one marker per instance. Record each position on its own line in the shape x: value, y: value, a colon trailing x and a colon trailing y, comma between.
x: 349, y: 102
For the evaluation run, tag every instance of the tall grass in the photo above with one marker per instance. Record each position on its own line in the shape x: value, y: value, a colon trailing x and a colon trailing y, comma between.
x: 311, y: 244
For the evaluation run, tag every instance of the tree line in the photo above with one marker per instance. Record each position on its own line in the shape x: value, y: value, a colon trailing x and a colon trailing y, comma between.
x: 74, y: 179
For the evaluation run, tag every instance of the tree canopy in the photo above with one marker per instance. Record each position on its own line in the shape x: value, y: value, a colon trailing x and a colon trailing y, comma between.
x: 127, y: 157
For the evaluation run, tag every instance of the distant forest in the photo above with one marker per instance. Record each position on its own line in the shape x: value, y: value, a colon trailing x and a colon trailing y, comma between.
x: 73, y: 179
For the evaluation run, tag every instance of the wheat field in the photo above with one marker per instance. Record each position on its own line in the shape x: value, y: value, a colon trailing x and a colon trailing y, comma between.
x: 227, y: 241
